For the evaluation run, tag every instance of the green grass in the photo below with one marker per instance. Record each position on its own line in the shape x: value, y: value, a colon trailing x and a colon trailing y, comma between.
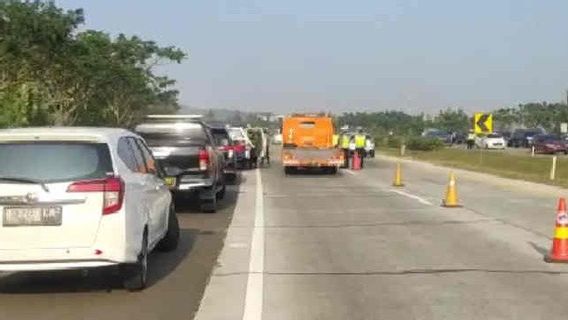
x: 504, y: 164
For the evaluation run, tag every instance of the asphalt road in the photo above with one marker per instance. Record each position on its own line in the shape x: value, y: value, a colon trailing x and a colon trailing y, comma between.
x: 349, y: 246
x: 177, y: 279
x: 345, y: 246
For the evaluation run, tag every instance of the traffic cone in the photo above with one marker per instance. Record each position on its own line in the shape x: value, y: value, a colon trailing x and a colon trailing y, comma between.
x: 451, y: 200
x: 397, y: 182
x: 559, y: 251
x: 356, y: 161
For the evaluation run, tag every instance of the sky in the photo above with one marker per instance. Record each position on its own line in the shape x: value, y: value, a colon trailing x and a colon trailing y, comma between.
x: 358, y: 55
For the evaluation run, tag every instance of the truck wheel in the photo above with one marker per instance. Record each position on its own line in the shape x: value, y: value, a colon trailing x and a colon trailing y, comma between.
x: 135, y: 276
x: 332, y: 170
x: 289, y: 170
x: 171, y: 239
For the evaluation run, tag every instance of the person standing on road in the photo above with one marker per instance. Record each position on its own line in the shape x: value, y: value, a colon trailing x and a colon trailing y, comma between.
x: 470, y: 140
x: 345, y: 139
x: 360, y: 139
x: 335, y: 140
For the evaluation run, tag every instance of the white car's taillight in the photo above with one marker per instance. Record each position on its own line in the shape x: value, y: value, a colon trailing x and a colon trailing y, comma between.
x: 112, y: 189
x: 203, y: 160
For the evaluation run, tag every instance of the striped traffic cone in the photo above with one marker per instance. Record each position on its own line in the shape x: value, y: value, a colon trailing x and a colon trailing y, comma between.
x: 559, y: 251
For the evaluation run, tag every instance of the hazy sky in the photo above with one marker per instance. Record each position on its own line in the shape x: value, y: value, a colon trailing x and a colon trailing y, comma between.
x: 413, y: 55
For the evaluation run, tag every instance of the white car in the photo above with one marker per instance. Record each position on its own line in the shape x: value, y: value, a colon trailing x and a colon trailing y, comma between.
x: 79, y: 198
x: 492, y: 141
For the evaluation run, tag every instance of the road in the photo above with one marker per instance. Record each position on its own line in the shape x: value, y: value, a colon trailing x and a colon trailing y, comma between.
x: 348, y: 246
x: 352, y: 247
x: 177, y: 279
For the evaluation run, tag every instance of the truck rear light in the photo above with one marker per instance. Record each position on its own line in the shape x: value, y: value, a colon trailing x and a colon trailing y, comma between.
x: 112, y: 189
x: 203, y: 160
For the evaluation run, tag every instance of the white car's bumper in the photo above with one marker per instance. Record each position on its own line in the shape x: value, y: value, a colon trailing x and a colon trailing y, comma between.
x: 53, y: 266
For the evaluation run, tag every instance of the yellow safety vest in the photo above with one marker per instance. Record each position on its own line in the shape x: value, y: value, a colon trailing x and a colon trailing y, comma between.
x: 345, y: 141
x: 360, y: 141
x: 335, y: 139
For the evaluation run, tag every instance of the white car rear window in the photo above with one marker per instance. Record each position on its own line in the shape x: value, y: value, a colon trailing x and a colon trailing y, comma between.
x: 55, y: 161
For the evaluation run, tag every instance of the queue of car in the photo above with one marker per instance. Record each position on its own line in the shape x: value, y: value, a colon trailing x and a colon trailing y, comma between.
x: 81, y: 198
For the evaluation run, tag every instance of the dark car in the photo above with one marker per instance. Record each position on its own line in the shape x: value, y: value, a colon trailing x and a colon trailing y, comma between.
x: 523, y: 138
x: 549, y: 143
x: 228, y: 147
x: 441, y: 135
x: 189, y: 156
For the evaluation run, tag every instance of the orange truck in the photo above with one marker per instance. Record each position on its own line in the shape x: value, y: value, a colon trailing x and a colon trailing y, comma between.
x: 308, y: 143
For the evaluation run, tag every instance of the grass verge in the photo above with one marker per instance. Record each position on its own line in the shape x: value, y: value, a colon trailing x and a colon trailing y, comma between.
x: 519, y: 166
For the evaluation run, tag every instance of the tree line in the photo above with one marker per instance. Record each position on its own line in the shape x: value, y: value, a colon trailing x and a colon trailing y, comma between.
x: 544, y: 115
x: 53, y: 74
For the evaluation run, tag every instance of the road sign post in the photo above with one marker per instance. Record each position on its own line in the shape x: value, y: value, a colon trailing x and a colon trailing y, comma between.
x: 564, y: 127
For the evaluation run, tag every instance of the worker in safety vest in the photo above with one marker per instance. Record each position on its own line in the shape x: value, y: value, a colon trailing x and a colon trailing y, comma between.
x: 470, y: 140
x: 335, y: 140
x: 360, y: 139
x: 344, y: 144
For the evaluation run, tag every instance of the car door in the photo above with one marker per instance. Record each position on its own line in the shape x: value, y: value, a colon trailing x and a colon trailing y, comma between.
x: 150, y: 191
x: 162, y: 193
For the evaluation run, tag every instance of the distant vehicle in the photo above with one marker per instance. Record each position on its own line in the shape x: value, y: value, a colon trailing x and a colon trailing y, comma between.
x: 226, y: 145
x: 370, y: 146
x: 491, y: 141
x: 243, y: 147
x: 549, y: 143
x: 523, y: 138
x: 187, y: 151
x: 79, y: 198
x: 308, y: 143
x: 441, y: 135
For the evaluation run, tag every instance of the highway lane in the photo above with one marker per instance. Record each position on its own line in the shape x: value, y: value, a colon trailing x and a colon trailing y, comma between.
x: 352, y: 247
x: 177, y: 279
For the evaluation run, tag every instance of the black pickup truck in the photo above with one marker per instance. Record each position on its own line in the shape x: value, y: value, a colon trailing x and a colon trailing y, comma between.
x: 187, y: 153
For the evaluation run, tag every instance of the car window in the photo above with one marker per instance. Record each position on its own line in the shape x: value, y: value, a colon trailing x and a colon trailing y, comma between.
x: 140, y: 161
x: 126, y: 154
x: 172, y: 134
x: 55, y: 161
x: 148, y: 158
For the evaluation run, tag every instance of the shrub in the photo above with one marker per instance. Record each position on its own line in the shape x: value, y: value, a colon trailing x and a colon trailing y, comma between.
x: 424, y: 144
x: 395, y: 141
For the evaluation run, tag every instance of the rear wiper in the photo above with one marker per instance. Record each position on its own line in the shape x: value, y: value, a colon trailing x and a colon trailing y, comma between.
x: 26, y: 180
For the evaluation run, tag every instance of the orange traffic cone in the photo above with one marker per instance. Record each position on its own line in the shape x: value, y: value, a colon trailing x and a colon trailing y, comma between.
x: 559, y: 251
x: 356, y: 161
x: 397, y: 182
x: 451, y: 200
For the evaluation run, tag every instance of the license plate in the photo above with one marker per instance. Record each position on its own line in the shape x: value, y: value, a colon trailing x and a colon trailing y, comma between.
x: 32, y: 216
x: 170, y: 181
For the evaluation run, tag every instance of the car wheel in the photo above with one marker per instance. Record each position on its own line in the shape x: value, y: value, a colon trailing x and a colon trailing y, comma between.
x: 171, y: 239
x: 135, y: 276
x: 221, y: 194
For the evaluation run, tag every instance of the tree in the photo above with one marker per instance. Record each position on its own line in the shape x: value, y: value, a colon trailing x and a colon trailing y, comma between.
x: 50, y: 74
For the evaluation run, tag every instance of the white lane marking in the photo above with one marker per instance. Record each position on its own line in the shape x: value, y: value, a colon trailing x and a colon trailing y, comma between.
x: 255, y: 283
x: 415, y: 197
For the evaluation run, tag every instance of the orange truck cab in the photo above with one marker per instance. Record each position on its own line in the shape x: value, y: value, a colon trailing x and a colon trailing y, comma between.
x: 308, y: 142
